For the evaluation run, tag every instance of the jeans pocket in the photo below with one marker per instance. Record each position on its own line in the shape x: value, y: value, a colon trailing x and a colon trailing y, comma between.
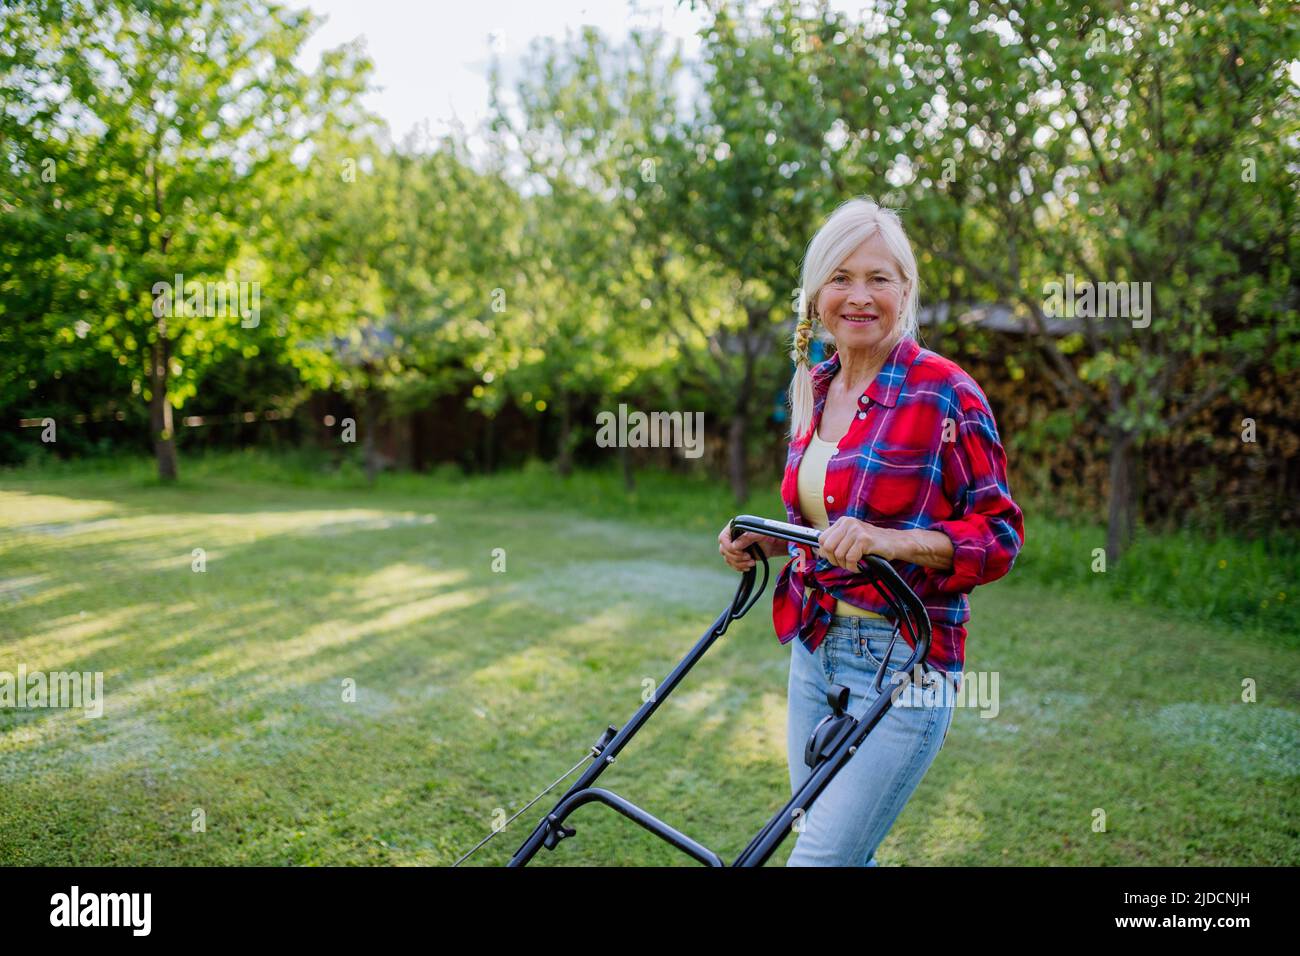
x: 875, y: 645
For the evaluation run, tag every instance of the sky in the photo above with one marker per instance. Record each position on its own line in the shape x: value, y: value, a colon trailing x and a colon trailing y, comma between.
x: 431, y: 56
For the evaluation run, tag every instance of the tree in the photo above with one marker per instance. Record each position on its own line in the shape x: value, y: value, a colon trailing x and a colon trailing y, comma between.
x: 162, y: 123
x: 1084, y: 145
x: 578, y: 322
x: 741, y: 184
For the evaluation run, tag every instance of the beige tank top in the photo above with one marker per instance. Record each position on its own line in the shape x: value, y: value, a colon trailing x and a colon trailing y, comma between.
x: 812, y: 502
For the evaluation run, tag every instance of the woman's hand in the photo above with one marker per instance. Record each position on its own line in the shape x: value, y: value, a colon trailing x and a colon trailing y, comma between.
x: 734, y: 552
x: 846, y: 542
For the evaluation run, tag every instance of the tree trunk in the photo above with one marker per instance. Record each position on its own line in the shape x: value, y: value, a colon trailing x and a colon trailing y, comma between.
x: 1120, y: 519
x: 736, y: 463
x: 564, y: 460
x: 629, y: 475
x: 369, y: 439
x: 489, y: 445
x: 737, y: 446
x: 160, y: 410
x: 404, y: 425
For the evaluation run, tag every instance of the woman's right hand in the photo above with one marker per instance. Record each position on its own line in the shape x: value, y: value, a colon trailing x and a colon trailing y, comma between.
x: 735, y: 553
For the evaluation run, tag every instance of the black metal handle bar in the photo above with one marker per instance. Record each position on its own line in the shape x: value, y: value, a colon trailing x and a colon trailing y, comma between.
x: 902, y: 600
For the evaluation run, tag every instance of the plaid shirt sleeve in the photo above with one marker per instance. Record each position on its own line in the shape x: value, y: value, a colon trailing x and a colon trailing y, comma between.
x: 988, y: 527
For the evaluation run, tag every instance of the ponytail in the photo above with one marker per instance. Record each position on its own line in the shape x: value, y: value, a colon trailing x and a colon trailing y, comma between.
x: 801, y: 384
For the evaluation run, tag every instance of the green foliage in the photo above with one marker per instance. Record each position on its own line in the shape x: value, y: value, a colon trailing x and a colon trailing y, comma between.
x: 144, y: 148
x: 620, y: 240
x: 1219, y: 577
x: 1150, y: 144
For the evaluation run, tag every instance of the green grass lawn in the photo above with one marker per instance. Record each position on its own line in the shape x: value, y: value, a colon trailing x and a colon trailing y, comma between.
x: 474, y: 689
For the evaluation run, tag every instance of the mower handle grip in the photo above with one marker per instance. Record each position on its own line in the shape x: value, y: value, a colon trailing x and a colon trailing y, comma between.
x: 797, y: 533
x: 873, y: 564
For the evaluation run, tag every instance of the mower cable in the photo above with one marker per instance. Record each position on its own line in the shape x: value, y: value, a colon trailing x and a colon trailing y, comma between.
x: 568, y: 773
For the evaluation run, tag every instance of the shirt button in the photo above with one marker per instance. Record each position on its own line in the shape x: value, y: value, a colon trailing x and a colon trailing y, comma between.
x: 862, y: 414
x: 863, y: 400
x: 830, y: 499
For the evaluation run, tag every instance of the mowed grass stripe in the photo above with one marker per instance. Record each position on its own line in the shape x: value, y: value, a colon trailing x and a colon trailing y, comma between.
x: 474, y: 689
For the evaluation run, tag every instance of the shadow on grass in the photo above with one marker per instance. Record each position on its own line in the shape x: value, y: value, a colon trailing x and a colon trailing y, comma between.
x: 475, y: 689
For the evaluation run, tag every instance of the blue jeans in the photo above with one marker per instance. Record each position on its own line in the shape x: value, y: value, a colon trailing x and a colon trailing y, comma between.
x: 856, y: 809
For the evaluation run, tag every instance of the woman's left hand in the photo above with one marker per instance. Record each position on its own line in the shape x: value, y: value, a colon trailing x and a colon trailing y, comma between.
x: 846, y: 542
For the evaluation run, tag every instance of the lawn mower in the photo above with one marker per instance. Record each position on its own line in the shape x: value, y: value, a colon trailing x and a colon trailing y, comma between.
x: 835, y: 739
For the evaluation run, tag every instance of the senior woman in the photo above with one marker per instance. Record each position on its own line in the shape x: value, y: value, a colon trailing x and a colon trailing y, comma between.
x: 893, y: 451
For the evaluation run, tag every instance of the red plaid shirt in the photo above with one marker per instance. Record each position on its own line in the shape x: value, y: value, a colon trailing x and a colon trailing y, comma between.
x: 895, y: 470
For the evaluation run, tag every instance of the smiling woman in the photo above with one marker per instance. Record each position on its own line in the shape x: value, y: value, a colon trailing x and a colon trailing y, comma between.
x: 893, y: 451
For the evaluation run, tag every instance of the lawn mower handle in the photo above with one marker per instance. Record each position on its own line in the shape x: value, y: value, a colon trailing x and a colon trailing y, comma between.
x: 797, y: 533
x: 876, y: 568
x: 833, y: 747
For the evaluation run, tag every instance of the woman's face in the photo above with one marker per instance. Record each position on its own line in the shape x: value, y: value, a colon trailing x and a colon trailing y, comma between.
x: 860, y: 302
